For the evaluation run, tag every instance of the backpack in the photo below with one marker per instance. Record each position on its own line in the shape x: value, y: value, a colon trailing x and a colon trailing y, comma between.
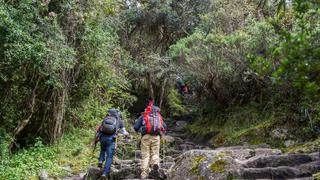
x: 109, y: 125
x: 154, y: 122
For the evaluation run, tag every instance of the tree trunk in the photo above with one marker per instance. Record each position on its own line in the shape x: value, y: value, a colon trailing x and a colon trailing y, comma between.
x: 150, y: 87
x: 163, y: 86
x: 60, y: 100
x: 26, y: 121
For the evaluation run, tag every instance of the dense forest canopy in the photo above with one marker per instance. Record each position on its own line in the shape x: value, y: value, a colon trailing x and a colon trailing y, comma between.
x: 63, y: 63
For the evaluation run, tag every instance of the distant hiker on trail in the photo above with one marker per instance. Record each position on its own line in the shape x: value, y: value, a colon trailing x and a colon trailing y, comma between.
x: 151, y: 127
x: 182, y: 87
x: 107, y: 134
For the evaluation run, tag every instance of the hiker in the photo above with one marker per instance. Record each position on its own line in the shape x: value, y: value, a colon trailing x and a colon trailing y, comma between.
x: 182, y: 87
x: 151, y: 127
x: 185, y: 89
x: 107, y: 134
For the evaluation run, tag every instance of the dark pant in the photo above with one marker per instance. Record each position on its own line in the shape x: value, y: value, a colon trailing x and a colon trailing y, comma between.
x: 107, y: 148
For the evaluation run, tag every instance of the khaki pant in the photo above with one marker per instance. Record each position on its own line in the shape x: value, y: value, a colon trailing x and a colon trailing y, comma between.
x: 150, y: 151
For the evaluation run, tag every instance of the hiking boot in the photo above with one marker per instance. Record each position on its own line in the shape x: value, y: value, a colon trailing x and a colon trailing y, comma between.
x: 100, y: 163
x: 155, y: 171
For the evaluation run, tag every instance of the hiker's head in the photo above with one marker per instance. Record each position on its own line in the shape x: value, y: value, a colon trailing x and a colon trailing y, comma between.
x: 114, y: 112
x: 150, y: 102
x: 155, y: 109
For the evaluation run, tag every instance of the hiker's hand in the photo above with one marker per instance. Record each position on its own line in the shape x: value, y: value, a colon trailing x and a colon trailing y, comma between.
x: 163, y: 141
x: 92, y: 144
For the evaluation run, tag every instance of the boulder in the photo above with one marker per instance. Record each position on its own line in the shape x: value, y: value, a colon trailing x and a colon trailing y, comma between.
x: 93, y: 173
x: 278, y: 160
x: 205, y: 164
x: 243, y: 162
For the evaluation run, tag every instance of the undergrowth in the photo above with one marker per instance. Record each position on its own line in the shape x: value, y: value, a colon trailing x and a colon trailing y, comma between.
x: 72, y: 151
x: 249, y: 124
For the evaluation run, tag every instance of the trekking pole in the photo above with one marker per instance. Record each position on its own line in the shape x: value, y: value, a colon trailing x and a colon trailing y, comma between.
x: 163, y: 150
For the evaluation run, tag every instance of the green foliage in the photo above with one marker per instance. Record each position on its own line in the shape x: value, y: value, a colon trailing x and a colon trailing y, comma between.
x: 28, y: 163
x: 60, y: 59
x: 316, y: 176
x: 71, y: 151
x: 239, y: 55
x: 308, y: 147
x: 175, y: 103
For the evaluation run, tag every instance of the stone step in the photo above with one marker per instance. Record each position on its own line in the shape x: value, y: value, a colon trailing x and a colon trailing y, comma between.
x: 167, y: 165
x: 283, y: 172
x: 278, y: 160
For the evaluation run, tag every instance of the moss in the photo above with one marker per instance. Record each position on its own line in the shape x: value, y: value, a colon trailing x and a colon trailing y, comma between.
x: 218, y: 166
x: 196, y: 162
x: 316, y: 176
x: 307, y: 147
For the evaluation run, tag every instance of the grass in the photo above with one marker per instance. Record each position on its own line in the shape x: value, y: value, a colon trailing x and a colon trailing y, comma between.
x: 240, y: 125
x: 307, y: 147
x: 72, y: 151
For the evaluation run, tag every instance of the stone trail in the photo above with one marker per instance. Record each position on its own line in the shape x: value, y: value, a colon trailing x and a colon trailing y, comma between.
x: 184, y: 159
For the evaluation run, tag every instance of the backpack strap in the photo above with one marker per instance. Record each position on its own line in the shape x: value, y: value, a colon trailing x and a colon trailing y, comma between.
x: 146, y: 118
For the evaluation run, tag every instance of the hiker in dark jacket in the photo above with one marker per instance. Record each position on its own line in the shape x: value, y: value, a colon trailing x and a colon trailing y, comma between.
x: 110, y: 126
x: 151, y: 127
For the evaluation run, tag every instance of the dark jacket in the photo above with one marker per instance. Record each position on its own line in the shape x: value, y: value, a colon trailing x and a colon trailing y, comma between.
x: 140, y: 126
x: 120, y: 125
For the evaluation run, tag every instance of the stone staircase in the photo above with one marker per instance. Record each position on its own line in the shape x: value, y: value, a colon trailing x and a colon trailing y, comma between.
x: 183, y: 159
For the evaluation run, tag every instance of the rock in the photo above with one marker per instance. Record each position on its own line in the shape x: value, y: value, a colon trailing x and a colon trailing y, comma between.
x: 168, y: 159
x: 315, y: 156
x: 279, y: 133
x: 93, y: 173
x: 168, y: 139
x: 246, y: 152
x: 166, y: 165
x: 66, y: 168
x: 186, y: 147
x: 82, y: 175
x: 180, y: 126
x: 278, y: 160
x: 43, y: 175
x: 266, y: 152
x: 243, y: 162
x: 205, y: 164
x: 124, y: 172
x: 309, y: 168
x: 270, y: 173
x: 289, y: 143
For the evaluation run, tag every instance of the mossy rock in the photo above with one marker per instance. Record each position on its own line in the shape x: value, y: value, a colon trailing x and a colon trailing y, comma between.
x: 307, y: 147
x: 219, y: 166
x: 196, y: 162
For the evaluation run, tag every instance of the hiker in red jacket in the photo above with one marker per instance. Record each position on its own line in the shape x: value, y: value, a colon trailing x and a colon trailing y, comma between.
x: 151, y: 127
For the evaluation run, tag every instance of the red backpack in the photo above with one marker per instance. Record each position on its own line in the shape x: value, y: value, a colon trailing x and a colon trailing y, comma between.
x: 153, y: 120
